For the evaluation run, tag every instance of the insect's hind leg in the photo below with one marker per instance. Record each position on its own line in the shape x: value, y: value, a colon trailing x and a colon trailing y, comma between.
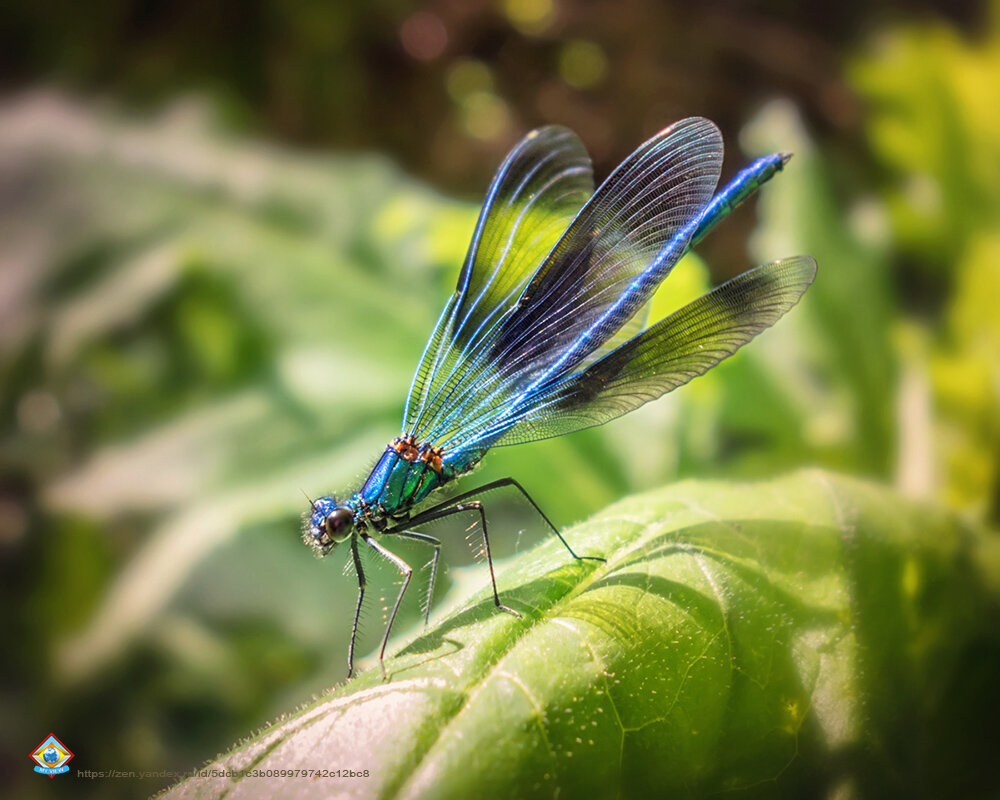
x: 448, y: 509
x: 511, y: 482
x: 500, y: 484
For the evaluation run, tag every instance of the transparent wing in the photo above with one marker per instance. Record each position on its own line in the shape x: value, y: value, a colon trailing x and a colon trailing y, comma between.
x: 615, y: 253
x: 633, y: 327
x: 538, y: 190
x: 680, y: 347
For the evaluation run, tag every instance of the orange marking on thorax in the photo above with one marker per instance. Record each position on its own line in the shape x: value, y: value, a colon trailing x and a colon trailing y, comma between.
x: 407, y: 448
x: 411, y: 450
x: 432, y: 457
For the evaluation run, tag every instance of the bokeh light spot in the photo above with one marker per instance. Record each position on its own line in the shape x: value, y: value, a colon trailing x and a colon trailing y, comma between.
x: 530, y: 16
x: 582, y: 64
x: 423, y: 36
x: 486, y: 116
x: 467, y: 76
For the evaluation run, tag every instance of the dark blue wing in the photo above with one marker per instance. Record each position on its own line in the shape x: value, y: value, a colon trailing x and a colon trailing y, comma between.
x: 536, y: 193
x: 680, y: 347
x: 615, y: 253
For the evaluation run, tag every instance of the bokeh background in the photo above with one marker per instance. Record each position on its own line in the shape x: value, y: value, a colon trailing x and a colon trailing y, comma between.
x: 226, y: 229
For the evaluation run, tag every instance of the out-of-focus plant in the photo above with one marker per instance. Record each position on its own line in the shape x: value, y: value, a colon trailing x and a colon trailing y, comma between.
x: 934, y: 128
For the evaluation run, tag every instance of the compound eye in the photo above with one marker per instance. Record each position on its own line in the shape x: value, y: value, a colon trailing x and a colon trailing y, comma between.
x: 339, y: 523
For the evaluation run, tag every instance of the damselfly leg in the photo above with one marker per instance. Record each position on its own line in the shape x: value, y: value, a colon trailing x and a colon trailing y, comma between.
x: 501, y: 483
x: 436, y: 544
x: 357, y: 610
x: 463, y: 503
x: 459, y: 508
x: 405, y: 570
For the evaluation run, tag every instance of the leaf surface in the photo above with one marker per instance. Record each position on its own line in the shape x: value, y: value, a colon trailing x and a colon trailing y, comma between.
x: 796, y: 635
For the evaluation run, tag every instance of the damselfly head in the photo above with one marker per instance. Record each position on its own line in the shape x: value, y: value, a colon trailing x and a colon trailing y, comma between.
x: 328, y: 524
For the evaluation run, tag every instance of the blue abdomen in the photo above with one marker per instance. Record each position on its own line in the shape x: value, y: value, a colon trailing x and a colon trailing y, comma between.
x: 747, y: 181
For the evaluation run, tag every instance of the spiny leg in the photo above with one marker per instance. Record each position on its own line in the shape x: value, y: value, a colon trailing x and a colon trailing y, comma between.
x: 499, y: 484
x: 407, y: 572
x: 436, y: 544
x: 438, y: 513
x: 357, y: 611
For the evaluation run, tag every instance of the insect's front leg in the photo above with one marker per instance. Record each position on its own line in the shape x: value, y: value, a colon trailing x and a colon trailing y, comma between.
x: 357, y: 611
x: 407, y: 572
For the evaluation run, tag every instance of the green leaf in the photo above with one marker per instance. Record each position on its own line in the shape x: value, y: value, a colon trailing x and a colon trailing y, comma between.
x: 809, y: 635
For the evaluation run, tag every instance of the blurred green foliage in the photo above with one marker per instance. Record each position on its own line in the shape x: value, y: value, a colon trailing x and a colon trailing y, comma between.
x: 197, y: 327
x: 934, y: 128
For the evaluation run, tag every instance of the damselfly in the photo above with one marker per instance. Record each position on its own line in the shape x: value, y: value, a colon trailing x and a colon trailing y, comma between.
x: 546, y: 332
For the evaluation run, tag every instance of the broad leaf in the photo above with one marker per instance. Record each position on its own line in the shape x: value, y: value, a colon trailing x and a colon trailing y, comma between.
x: 813, y: 635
